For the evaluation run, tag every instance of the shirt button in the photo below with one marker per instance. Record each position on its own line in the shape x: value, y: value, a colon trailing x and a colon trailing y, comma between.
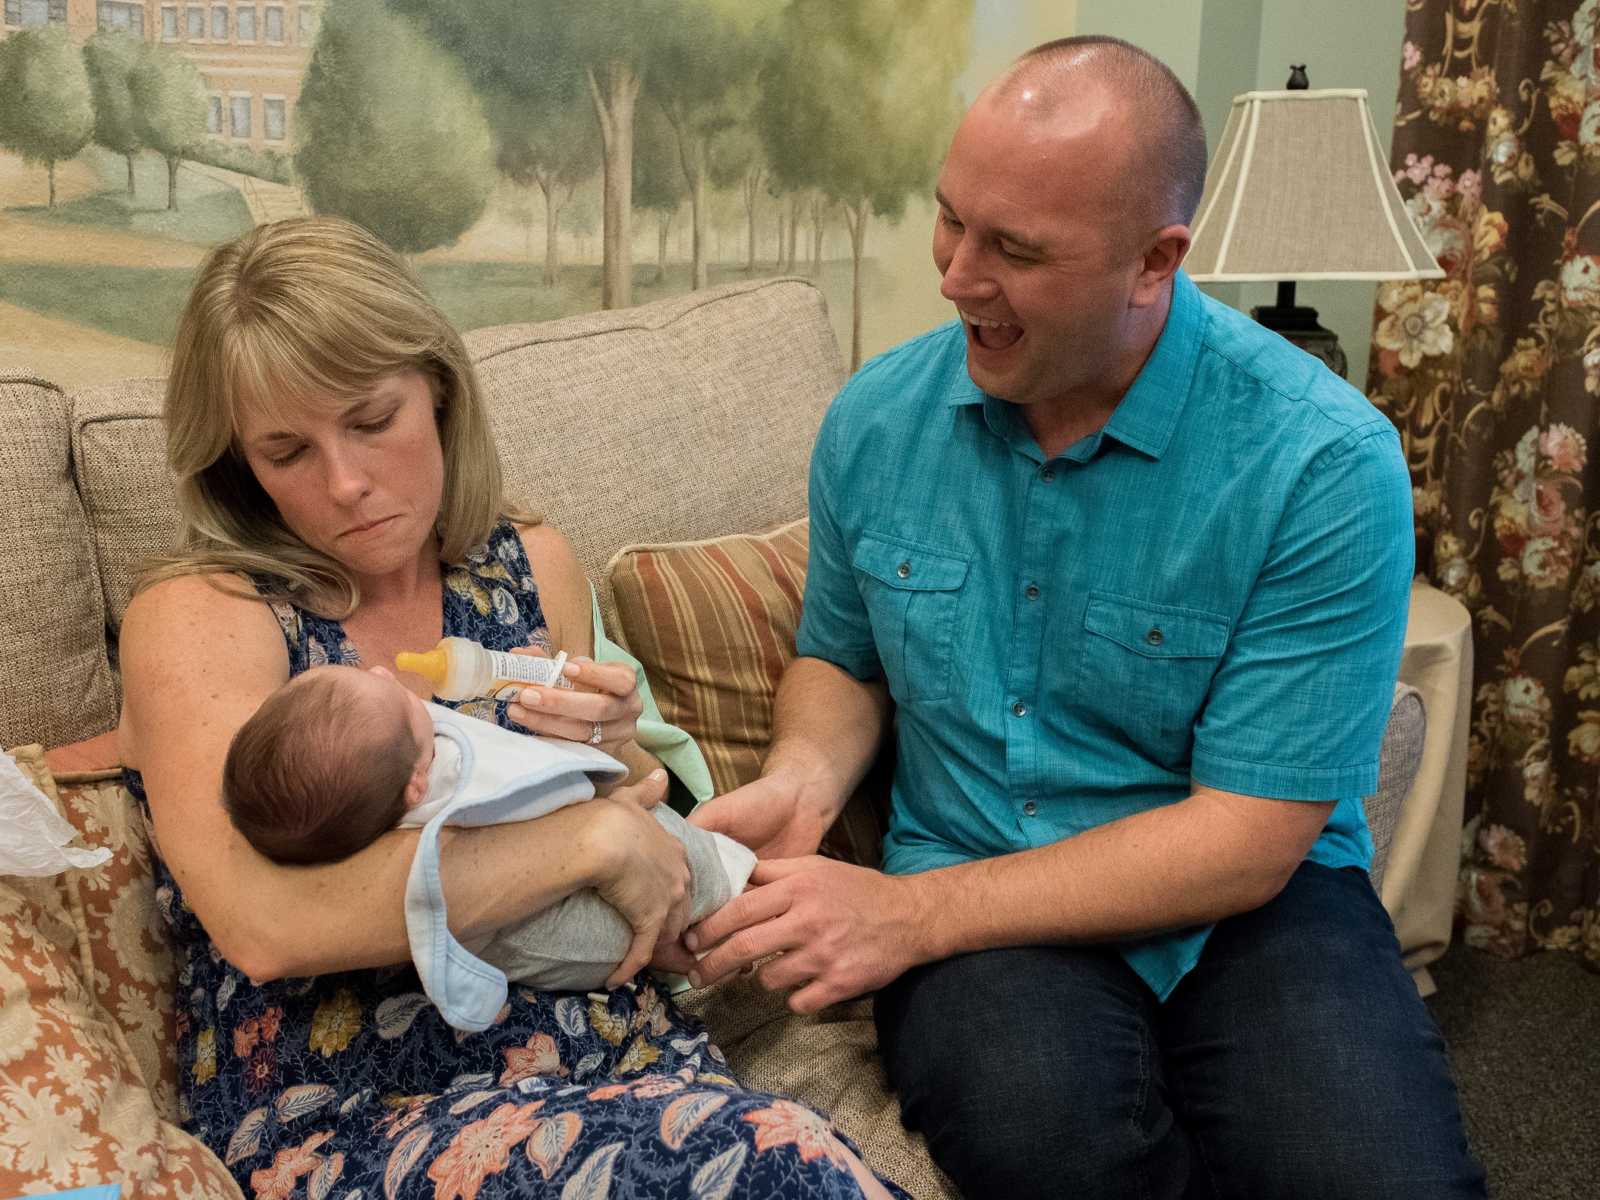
x: 1031, y: 591
x: 903, y: 570
x: 1030, y: 808
x: 1047, y: 473
x: 1019, y: 709
x: 1155, y: 637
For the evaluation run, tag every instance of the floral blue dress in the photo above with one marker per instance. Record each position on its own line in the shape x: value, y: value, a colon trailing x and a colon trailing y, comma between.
x: 350, y: 1086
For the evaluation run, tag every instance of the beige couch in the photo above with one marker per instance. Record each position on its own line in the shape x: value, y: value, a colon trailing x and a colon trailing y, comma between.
x: 684, y: 419
x: 680, y: 420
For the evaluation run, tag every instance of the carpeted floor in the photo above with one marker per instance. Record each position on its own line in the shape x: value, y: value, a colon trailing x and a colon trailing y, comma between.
x: 1524, y: 1037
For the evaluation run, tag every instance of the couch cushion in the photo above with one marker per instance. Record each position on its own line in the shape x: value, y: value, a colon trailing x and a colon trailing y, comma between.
x: 75, y: 1107
x: 699, y: 387
x: 58, y: 687
x: 713, y: 622
x: 687, y: 418
x: 130, y: 967
x: 119, y: 452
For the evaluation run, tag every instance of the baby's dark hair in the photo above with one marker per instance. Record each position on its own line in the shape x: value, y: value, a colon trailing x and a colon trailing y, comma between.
x: 311, y: 777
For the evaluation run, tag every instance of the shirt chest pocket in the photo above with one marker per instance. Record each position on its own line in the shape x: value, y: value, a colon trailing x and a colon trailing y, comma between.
x: 913, y: 598
x: 1146, y: 669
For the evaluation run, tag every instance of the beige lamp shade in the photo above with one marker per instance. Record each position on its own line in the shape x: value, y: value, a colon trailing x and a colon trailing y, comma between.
x: 1299, y: 189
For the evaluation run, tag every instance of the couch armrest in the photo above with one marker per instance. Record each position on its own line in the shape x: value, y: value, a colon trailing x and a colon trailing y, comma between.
x: 99, y: 753
x: 1398, y: 761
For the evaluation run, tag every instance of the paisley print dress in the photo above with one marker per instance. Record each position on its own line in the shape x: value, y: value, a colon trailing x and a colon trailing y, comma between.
x: 350, y: 1087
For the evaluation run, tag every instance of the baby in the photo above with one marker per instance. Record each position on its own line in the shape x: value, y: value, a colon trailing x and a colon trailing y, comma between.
x: 339, y: 755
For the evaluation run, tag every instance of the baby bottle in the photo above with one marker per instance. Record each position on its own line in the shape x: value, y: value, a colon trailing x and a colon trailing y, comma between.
x: 460, y: 669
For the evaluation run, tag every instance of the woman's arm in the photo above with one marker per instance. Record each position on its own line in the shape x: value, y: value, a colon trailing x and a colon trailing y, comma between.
x: 196, y: 662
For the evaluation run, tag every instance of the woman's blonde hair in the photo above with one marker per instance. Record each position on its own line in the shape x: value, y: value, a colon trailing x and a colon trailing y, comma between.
x: 318, y: 309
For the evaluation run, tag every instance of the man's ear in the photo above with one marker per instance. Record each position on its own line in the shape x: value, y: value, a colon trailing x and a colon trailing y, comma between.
x: 1161, y: 262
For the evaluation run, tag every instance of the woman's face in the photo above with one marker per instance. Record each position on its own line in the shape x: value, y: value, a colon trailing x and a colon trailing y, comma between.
x: 359, y: 481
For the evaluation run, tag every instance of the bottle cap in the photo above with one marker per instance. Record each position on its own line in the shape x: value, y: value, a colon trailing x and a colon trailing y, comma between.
x: 431, y: 665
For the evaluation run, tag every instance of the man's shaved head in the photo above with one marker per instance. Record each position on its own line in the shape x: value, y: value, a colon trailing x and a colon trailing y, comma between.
x: 1167, y: 143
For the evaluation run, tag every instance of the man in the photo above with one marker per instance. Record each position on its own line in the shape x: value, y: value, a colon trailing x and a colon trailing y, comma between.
x: 1134, y: 572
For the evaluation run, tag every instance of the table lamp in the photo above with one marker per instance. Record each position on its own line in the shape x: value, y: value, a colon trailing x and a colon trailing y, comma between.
x: 1299, y: 189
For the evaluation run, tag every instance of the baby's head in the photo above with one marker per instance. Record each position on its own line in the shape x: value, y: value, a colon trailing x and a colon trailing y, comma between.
x: 330, y: 761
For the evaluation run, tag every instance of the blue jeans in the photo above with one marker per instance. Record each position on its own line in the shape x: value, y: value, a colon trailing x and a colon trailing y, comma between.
x: 1295, y: 1060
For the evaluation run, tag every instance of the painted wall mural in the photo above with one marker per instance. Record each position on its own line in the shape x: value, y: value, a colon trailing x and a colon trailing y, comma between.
x: 534, y: 157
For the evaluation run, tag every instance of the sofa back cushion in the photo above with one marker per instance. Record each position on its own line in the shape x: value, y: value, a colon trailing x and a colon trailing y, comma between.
x: 686, y: 418
x: 683, y: 419
x: 119, y: 451
x: 54, y: 677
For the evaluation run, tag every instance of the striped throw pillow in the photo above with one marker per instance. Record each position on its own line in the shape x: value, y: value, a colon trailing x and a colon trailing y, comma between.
x: 713, y: 624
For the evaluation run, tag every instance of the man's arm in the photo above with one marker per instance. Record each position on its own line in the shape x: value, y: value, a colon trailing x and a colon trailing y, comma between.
x: 845, y: 930
x: 827, y: 726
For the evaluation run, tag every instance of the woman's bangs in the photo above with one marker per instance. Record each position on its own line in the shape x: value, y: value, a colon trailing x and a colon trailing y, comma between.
x: 270, y: 374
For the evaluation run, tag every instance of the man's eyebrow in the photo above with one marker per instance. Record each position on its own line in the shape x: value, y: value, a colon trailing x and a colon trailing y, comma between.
x: 1004, y: 235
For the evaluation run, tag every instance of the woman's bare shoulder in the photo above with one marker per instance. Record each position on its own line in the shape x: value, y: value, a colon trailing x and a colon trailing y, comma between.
x: 202, y: 610
x: 550, y: 553
x: 563, y: 586
x: 196, y: 639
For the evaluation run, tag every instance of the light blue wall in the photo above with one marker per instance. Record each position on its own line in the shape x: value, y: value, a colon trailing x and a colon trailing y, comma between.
x: 1222, y: 47
x: 1169, y: 30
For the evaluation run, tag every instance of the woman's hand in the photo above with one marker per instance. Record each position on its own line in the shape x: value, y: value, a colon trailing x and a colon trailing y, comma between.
x: 604, y: 699
x: 644, y: 876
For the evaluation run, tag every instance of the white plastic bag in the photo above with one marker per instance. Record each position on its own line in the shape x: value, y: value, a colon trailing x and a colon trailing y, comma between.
x: 33, y: 836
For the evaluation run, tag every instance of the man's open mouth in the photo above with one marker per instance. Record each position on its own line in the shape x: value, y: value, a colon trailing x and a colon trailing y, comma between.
x: 991, y: 335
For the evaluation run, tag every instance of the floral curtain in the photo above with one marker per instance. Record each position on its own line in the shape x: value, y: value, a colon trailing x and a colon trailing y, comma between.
x: 1493, y: 377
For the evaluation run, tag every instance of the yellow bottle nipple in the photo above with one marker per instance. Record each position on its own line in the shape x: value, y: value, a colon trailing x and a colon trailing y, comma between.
x: 432, y: 665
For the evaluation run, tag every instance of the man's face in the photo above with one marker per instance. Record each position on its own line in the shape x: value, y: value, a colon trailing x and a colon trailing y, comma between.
x: 1034, y: 247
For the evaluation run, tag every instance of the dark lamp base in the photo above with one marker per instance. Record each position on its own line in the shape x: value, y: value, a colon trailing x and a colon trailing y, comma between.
x: 1299, y: 325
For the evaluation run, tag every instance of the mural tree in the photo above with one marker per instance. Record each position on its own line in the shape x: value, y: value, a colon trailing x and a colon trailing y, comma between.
x: 555, y: 146
x: 821, y: 208
x: 390, y: 133
x: 584, y: 218
x: 658, y: 183
x: 549, y: 53
x: 169, y: 109
x: 46, y: 114
x: 703, y: 79
x: 741, y: 165
x: 859, y: 101
x: 543, y: 127
x: 607, y: 51
x: 110, y: 58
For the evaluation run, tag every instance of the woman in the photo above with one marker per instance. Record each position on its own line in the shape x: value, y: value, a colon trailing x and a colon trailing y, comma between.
x: 341, y: 501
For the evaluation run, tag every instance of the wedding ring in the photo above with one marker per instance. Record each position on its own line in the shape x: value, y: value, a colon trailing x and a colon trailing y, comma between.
x: 594, y: 738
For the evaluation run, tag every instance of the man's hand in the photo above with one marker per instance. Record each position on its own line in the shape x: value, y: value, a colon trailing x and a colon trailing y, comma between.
x: 839, y: 930
x: 768, y: 815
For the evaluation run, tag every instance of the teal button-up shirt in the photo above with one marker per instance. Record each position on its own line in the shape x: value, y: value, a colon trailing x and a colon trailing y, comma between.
x: 1211, y: 591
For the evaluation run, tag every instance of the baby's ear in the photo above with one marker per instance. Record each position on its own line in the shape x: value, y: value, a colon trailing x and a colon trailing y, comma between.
x: 417, y: 786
